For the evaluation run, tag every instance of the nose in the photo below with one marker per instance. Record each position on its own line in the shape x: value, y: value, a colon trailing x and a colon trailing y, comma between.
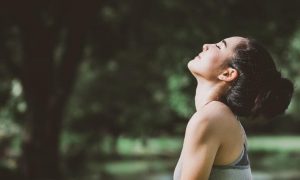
x: 205, y: 47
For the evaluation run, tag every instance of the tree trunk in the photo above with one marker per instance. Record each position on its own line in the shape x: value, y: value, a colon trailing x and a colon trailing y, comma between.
x: 46, y: 83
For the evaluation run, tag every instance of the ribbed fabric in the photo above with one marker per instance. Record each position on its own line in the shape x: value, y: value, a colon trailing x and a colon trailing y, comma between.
x: 238, y: 170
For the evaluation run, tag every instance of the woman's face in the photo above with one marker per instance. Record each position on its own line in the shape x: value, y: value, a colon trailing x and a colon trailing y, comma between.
x: 210, y: 62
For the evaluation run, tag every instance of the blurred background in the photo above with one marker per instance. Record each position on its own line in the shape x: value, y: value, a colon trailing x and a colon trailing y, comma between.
x: 99, y: 89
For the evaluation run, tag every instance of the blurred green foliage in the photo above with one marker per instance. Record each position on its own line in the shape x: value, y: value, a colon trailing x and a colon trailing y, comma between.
x: 133, y: 80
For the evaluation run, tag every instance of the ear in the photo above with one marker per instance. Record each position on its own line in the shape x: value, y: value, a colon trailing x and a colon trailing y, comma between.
x: 228, y: 75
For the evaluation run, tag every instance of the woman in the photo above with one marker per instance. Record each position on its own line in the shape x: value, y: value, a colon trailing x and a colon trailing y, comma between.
x: 236, y: 77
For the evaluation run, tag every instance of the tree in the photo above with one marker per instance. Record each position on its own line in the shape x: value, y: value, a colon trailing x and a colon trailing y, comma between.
x: 50, y: 36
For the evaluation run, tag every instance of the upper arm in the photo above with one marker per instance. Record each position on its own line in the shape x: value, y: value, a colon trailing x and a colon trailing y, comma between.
x: 201, y: 143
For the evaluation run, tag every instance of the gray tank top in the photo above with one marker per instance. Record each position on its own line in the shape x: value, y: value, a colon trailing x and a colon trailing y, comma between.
x: 237, y: 170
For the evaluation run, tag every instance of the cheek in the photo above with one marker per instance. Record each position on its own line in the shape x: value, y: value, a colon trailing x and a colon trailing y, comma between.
x: 212, y: 58
x: 206, y: 66
x: 210, y: 62
x: 214, y: 62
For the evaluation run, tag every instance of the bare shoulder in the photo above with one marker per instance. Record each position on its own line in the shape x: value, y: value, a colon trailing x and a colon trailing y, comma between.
x: 211, y: 119
x: 216, y: 109
x: 213, y: 111
x: 202, y: 141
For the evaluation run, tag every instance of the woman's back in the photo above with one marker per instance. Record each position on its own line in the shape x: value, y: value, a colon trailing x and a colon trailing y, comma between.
x: 239, y: 169
x: 231, y: 150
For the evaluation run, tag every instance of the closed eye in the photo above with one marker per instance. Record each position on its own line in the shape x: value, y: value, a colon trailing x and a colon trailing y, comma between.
x: 218, y: 46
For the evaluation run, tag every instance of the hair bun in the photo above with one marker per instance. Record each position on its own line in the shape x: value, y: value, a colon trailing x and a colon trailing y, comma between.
x: 274, y: 99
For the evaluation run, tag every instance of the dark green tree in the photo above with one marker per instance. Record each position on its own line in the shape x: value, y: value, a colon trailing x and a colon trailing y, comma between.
x: 49, y: 40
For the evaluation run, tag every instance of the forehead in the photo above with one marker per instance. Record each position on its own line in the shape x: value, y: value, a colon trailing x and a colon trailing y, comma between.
x: 234, y: 41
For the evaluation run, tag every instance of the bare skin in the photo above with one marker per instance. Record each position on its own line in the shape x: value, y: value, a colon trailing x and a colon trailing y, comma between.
x: 213, y: 135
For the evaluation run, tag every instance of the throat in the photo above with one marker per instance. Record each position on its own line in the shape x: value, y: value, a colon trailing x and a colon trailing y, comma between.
x: 206, y: 93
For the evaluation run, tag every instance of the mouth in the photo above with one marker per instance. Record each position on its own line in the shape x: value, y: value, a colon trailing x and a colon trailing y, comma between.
x: 198, y: 57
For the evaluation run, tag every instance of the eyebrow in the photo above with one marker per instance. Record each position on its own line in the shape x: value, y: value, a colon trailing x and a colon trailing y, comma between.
x: 223, y: 41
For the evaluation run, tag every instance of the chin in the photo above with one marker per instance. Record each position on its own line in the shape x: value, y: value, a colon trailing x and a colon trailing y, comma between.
x: 189, y: 65
x: 192, y: 66
x: 192, y: 63
x: 192, y: 70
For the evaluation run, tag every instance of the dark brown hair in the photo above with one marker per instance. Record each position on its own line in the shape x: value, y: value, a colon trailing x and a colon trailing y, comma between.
x: 259, y: 89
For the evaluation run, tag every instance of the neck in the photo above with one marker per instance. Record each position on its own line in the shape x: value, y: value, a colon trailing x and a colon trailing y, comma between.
x: 206, y: 92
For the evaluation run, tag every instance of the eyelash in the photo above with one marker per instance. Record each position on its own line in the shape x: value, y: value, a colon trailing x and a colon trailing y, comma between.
x: 218, y: 46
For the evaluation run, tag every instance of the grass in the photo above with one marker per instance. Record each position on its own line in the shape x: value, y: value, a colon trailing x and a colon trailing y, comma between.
x: 153, y: 146
x: 172, y: 145
x: 284, y: 144
x: 269, y: 155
